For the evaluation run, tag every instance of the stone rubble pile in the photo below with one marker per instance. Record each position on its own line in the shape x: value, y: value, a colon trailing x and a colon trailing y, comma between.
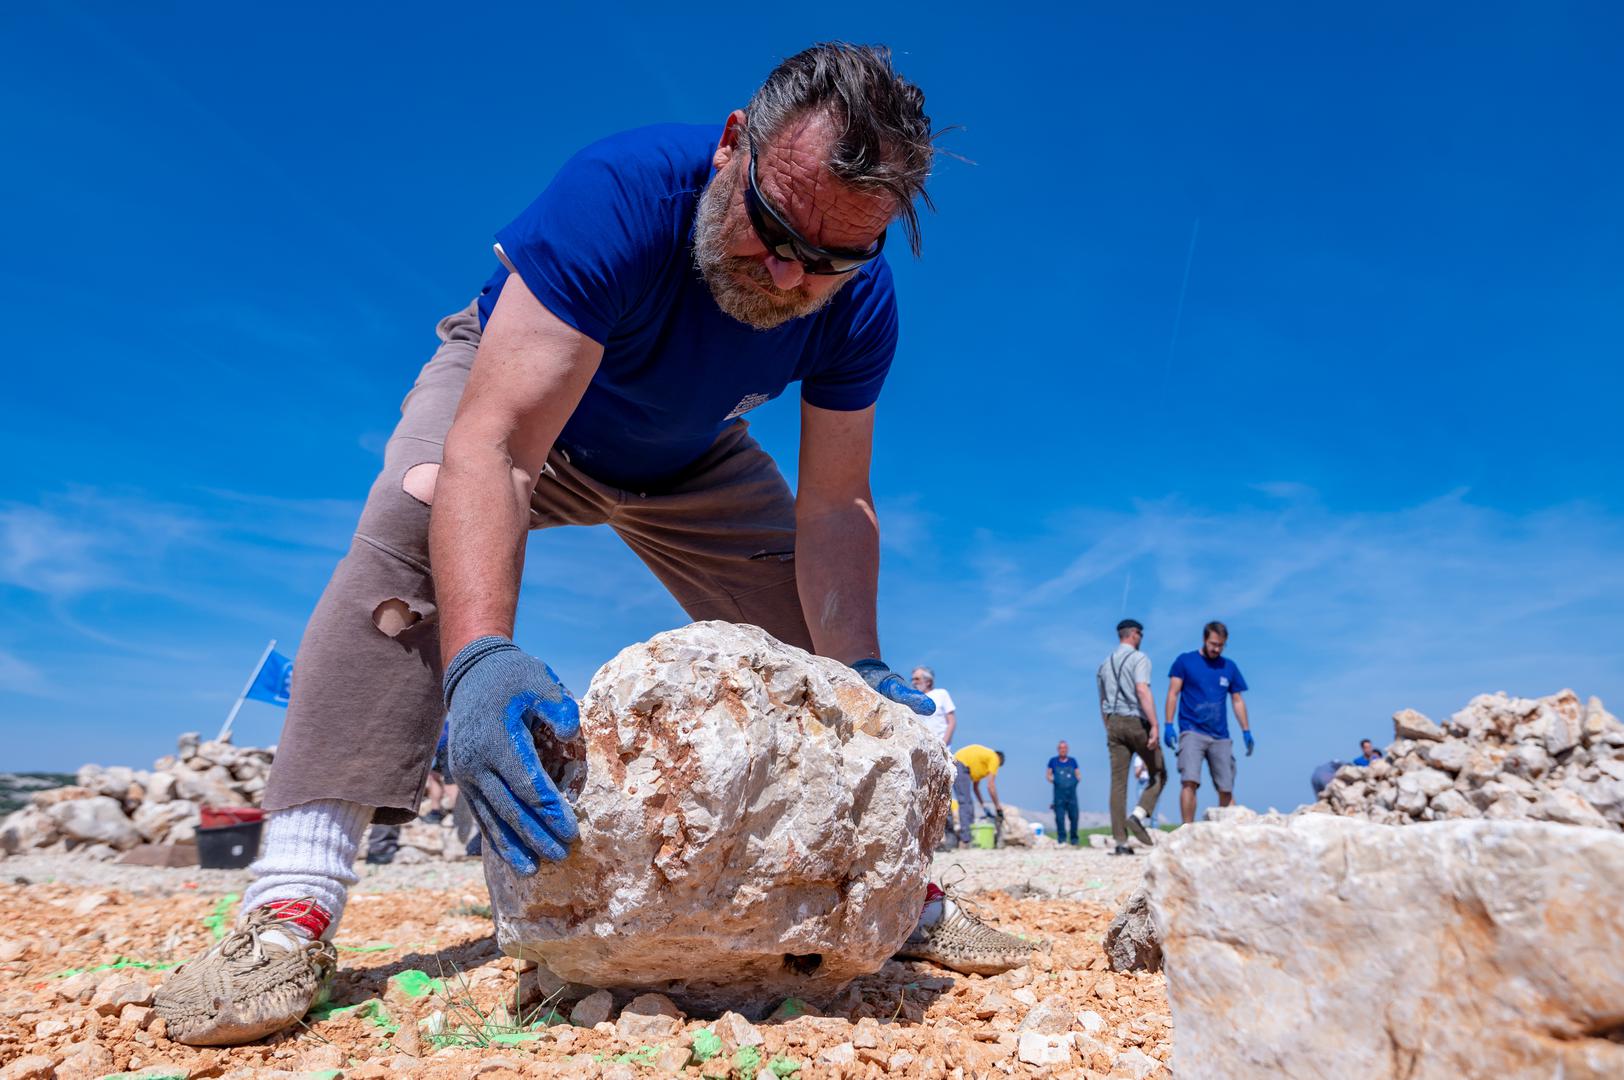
x: 110, y: 809
x: 1543, y: 759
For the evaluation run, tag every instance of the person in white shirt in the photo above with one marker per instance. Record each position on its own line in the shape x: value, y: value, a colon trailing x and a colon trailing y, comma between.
x: 944, y: 720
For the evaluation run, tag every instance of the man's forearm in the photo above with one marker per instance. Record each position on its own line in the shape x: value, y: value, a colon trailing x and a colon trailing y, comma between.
x: 1172, y: 707
x: 1240, y: 713
x: 837, y: 571
x: 476, y: 544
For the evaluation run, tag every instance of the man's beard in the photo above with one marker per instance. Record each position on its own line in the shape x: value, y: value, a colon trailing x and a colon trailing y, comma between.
x: 762, y: 310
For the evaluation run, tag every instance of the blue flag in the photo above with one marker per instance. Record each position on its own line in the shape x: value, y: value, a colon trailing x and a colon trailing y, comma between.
x: 274, y: 681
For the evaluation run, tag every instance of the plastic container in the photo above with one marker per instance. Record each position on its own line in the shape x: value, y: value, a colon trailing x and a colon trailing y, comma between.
x: 983, y: 834
x: 212, y: 817
x: 228, y: 847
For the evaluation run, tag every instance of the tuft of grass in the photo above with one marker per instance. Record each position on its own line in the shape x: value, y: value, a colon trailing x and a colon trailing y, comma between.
x: 477, y: 911
x: 462, y: 1023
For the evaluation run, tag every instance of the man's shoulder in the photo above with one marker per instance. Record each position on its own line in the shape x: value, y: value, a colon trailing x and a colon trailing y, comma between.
x: 647, y: 166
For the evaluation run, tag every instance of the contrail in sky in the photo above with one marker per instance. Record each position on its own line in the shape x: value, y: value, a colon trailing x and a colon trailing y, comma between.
x: 1178, y: 311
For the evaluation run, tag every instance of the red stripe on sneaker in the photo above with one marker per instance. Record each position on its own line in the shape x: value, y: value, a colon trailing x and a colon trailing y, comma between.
x: 305, y: 914
x: 932, y: 892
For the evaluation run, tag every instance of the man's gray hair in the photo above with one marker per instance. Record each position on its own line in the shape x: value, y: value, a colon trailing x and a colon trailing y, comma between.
x: 885, y: 142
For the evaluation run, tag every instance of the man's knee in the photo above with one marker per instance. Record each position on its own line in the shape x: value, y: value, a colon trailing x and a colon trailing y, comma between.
x: 419, y: 482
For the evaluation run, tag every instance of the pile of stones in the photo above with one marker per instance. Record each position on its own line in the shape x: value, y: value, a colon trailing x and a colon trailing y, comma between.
x: 1544, y: 759
x: 110, y: 809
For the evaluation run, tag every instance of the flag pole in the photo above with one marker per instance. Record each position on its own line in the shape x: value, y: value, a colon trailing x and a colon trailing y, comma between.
x: 225, y: 730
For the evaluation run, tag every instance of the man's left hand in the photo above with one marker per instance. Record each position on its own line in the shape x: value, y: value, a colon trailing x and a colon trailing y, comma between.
x: 888, y: 684
x: 1247, y: 735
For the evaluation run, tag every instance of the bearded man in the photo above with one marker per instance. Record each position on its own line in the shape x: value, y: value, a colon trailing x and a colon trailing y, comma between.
x: 669, y: 280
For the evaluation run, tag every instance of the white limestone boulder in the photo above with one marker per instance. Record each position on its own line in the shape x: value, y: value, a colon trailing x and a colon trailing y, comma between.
x: 756, y: 823
x: 1319, y: 945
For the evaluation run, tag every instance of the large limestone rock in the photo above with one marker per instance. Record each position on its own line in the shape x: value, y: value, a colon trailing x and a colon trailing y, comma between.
x: 756, y: 824
x: 1319, y: 945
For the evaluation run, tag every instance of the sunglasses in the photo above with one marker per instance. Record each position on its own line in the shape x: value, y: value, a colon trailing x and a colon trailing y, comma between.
x: 780, y: 237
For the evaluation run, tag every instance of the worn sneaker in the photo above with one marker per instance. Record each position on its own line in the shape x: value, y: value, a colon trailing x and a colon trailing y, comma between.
x: 263, y: 976
x: 1136, y: 825
x: 962, y: 942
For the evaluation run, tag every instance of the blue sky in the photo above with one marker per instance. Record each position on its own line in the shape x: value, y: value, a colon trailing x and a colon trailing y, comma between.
x: 1310, y: 322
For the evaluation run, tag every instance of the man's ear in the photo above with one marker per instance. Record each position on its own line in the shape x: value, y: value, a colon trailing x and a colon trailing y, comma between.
x: 731, y: 141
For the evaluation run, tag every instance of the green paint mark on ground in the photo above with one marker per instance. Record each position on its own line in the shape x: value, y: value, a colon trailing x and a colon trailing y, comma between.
x: 1095, y: 885
x: 707, y: 1044
x: 791, y: 1008
x: 217, y: 919
x: 118, y: 962
x: 363, y: 948
x: 514, y: 1038
x: 324, y: 1074
x: 747, y: 1059
x: 643, y: 1055
x: 149, y: 1074
x: 783, y: 1067
x: 371, y: 1010
x: 415, y: 983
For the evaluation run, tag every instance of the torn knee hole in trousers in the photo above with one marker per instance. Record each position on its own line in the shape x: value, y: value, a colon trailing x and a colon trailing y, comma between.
x: 394, y: 616
x: 419, y: 481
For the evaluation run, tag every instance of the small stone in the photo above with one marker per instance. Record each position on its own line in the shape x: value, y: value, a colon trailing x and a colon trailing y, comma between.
x: 11, y: 949
x: 1106, y: 989
x: 592, y: 1010
x: 1025, y: 996
x: 113, y: 994
x: 46, y: 1029
x: 1037, y: 1049
x: 1409, y: 724
x: 736, y: 1031
x: 866, y: 1035
x: 618, y: 1070
x: 138, y: 1016
x: 79, y: 988
x: 490, y: 1065
x: 1051, y: 1017
x: 649, y: 1018
x: 900, y: 1061
x: 1091, y: 1021
x: 1136, y: 1064
x: 31, y: 1067
x: 843, y: 1054
x: 672, y: 1059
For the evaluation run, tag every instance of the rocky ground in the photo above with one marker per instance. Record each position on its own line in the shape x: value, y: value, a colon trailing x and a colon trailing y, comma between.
x: 423, y: 992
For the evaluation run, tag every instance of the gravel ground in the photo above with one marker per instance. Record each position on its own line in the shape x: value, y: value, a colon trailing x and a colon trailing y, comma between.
x: 1085, y: 874
x: 422, y: 991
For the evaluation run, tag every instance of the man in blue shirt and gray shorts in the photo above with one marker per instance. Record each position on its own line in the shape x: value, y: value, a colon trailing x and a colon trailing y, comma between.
x: 1200, y: 686
x: 668, y: 280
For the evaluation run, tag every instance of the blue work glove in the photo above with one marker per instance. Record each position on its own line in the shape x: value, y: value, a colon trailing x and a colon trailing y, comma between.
x: 1247, y: 735
x: 1170, y: 737
x: 888, y: 684
x: 497, y: 696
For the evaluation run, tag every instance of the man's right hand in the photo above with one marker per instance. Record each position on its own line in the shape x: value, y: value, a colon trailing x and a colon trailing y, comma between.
x: 1170, y: 737
x: 496, y: 695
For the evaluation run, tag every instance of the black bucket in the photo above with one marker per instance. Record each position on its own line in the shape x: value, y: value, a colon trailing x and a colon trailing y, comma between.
x: 228, y: 847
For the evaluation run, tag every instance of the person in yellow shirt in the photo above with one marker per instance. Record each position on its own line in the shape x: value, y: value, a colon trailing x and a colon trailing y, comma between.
x: 972, y: 764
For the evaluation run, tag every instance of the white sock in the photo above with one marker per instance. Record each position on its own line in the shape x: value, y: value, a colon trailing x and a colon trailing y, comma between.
x: 309, y: 851
x: 1139, y: 812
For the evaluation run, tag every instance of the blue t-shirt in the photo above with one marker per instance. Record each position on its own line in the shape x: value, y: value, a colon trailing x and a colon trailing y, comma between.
x: 1204, y: 699
x: 608, y: 248
x: 1065, y: 772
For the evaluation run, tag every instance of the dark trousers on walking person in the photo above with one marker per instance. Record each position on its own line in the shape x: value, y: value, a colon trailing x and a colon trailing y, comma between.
x: 1065, y: 808
x: 964, y: 792
x: 1126, y: 736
